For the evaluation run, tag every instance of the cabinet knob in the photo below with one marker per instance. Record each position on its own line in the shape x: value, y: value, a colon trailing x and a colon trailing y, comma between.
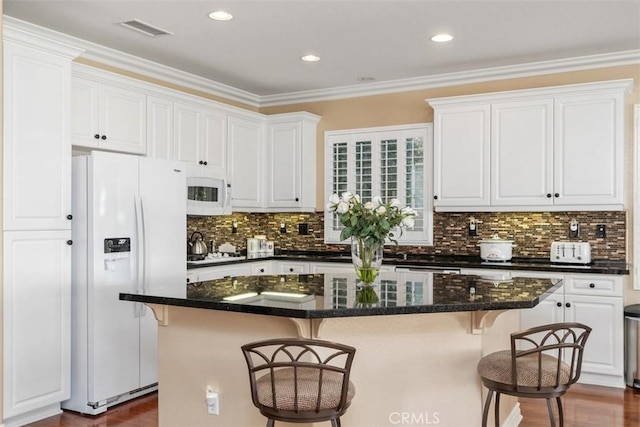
x: 557, y: 195
x: 291, y: 270
x: 96, y: 136
x: 188, y: 280
x: 201, y: 162
x: 592, y: 285
x: 262, y: 270
x: 69, y: 242
x: 435, y: 197
x: 69, y: 216
x: 549, y: 195
x: 559, y: 304
x: 568, y: 305
x: 204, y: 163
x: 103, y: 137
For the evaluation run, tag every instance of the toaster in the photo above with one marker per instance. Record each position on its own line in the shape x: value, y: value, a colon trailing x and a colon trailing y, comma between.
x: 571, y: 252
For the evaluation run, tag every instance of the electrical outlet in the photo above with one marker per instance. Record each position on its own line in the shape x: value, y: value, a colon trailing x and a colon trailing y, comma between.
x: 283, y: 228
x: 303, y: 229
x: 213, y: 403
x: 601, y: 230
x: 472, y: 228
x: 574, y: 228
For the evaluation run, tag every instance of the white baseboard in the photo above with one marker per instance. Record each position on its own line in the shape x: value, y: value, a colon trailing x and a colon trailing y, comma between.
x: 33, y: 416
x: 514, y: 418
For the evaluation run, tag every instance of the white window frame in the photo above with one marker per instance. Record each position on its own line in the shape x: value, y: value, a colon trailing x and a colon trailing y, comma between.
x: 400, y: 133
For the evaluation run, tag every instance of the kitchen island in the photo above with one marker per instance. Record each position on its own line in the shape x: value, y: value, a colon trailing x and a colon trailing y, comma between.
x: 417, y: 345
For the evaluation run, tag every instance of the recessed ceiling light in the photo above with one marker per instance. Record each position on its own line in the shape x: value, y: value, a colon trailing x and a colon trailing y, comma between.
x: 310, y: 58
x: 441, y: 38
x: 220, y: 15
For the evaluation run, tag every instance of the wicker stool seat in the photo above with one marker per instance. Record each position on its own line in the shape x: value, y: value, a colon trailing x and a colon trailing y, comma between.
x: 543, y: 363
x: 300, y: 380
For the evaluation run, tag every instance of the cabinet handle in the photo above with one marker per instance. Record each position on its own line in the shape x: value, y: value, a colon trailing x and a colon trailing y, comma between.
x: 592, y: 285
x: 559, y: 304
x: 96, y: 136
x: 549, y: 195
x: 435, y: 197
x: 557, y: 195
x: 568, y: 305
x: 69, y: 216
x: 103, y: 137
x: 69, y: 242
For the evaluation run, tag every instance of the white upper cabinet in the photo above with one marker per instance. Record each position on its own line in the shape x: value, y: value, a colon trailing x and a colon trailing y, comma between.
x: 36, y: 149
x: 522, y: 153
x: 557, y: 148
x: 200, y: 139
x: 589, y: 148
x: 160, y: 128
x: 291, y: 161
x: 461, y: 156
x: 246, y: 144
x: 107, y: 117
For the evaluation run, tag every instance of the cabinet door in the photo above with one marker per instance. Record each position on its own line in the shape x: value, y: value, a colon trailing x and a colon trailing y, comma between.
x: 522, y: 153
x: 588, y: 153
x: 214, y: 141
x: 123, y: 120
x: 212, y: 273
x: 550, y: 310
x: 283, y: 165
x: 187, y: 134
x: 36, y: 320
x: 159, y: 128
x: 291, y: 267
x: 246, y: 145
x: 37, y: 153
x: 461, y: 156
x: 261, y: 268
x: 604, y: 349
x: 85, y: 114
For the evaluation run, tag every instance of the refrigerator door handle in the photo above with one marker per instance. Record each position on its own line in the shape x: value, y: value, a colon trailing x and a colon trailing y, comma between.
x: 140, y: 282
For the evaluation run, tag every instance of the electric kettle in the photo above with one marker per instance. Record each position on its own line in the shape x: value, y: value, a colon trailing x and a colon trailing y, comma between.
x: 196, y: 244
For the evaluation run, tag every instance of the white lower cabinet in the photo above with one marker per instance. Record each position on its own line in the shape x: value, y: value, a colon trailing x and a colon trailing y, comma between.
x: 596, y: 301
x: 340, y: 267
x: 222, y: 271
x: 262, y: 268
x: 36, y: 324
x: 292, y: 267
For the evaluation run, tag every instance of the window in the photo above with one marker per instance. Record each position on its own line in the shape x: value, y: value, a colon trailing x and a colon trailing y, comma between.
x: 392, y: 162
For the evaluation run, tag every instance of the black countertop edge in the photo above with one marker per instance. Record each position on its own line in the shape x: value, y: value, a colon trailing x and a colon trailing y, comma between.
x: 334, y: 313
x: 449, y: 261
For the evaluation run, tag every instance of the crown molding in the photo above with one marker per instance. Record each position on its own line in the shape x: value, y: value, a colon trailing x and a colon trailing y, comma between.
x: 114, y: 58
x: 452, y: 79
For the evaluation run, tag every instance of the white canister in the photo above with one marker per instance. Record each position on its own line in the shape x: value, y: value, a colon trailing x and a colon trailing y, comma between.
x: 253, y: 245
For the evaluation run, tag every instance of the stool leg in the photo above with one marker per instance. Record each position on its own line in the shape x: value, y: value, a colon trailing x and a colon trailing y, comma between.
x: 560, y: 413
x: 335, y: 422
x: 270, y: 422
x: 497, y: 411
x: 551, y: 417
x: 487, y: 403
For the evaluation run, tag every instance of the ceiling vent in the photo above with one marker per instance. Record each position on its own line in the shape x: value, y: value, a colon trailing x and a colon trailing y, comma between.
x: 144, y: 28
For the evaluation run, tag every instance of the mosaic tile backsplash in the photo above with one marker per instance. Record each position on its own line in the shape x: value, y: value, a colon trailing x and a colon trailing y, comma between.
x: 532, y: 232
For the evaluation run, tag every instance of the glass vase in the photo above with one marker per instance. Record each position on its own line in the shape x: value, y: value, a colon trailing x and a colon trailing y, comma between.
x: 366, y: 260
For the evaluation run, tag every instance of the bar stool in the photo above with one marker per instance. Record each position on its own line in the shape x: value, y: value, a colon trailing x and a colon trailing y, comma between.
x: 300, y: 380
x: 543, y: 363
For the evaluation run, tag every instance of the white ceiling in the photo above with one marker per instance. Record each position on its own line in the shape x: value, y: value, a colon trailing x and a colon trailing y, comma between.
x: 259, y: 50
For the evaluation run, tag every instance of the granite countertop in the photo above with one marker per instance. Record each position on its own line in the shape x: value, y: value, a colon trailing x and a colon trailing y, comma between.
x: 338, y: 294
x: 448, y: 261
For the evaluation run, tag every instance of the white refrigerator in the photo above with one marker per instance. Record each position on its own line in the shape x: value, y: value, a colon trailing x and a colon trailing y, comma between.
x: 129, y: 231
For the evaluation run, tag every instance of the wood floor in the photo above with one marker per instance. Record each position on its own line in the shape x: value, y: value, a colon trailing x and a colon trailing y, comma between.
x: 584, y: 406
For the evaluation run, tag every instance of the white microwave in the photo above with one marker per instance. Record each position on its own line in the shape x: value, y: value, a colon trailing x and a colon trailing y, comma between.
x: 208, y: 196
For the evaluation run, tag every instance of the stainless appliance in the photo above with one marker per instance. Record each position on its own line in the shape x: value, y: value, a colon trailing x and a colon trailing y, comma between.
x: 570, y: 252
x: 196, y: 247
x: 129, y: 223
x: 208, y: 196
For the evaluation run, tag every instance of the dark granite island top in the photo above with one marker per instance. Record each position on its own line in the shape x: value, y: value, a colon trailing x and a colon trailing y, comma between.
x: 318, y: 296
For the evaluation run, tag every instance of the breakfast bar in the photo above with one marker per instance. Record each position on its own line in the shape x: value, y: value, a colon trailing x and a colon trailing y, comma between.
x: 418, y: 337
